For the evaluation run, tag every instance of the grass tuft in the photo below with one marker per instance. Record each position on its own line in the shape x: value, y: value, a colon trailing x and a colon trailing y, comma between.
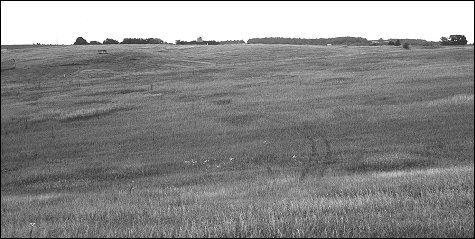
x: 83, y: 114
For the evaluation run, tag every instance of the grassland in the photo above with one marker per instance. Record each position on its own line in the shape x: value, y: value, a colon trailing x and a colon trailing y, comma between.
x: 208, y: 141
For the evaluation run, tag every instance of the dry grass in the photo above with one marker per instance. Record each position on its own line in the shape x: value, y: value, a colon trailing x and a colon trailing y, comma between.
x: 400, y: 124
x: 92, y: 112
x: 419, y: 203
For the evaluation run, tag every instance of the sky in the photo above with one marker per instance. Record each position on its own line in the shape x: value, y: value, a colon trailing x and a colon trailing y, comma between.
x: 59, y: 22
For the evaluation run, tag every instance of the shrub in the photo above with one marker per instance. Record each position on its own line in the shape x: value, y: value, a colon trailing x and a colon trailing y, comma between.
x: 406, y: 46
x: 397, y: 43
x: 95, y: 43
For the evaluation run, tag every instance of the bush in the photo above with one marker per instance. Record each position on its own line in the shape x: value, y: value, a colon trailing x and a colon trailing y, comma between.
x: 397, y: 43
x: 110, y: 41
x: 406, y: 46
x: 80, y: 41
x: 95, y: 43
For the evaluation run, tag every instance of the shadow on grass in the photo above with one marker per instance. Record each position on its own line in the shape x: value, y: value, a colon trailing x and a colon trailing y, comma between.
x: 66, y: 181
x: 388, y: 162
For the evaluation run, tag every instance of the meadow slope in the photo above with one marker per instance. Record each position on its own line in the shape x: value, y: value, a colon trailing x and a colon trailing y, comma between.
x: 193, y: 141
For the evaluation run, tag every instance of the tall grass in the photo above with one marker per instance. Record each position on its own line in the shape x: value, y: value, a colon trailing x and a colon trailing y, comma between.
x: 417, y: 203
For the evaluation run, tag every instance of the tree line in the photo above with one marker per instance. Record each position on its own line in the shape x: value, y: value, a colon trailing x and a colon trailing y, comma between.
x: 353, y: 41
x: 232, y: 42
x: 349, y: 41
x: 179, y: 42
x: 82, y: 41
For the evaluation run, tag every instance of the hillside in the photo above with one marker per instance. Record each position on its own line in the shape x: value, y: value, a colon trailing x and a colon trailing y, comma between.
x: 150, y: 127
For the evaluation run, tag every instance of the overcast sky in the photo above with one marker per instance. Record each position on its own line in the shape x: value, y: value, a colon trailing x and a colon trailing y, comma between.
x: 62, y: 22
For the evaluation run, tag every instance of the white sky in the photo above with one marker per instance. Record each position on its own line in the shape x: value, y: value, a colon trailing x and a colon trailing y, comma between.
x: 62, y: 22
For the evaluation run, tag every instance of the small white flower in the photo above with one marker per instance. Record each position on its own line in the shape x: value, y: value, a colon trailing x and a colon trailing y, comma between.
x: 32, y: 224
x: 294, y: 157
x: 231, y: 159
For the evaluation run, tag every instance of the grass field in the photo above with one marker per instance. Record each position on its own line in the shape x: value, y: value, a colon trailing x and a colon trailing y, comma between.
x: 210, y: 141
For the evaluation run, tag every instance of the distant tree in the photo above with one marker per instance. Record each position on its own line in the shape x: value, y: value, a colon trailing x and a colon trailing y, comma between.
x: 444, y: 41
x: 110, y: 41
x: 397, y: 43
x: 406, y: 46
x: 391, y: 43
x: 453, y: 40
x: 80, y: 41
x: 95, y: 43
x: 458, y: 40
